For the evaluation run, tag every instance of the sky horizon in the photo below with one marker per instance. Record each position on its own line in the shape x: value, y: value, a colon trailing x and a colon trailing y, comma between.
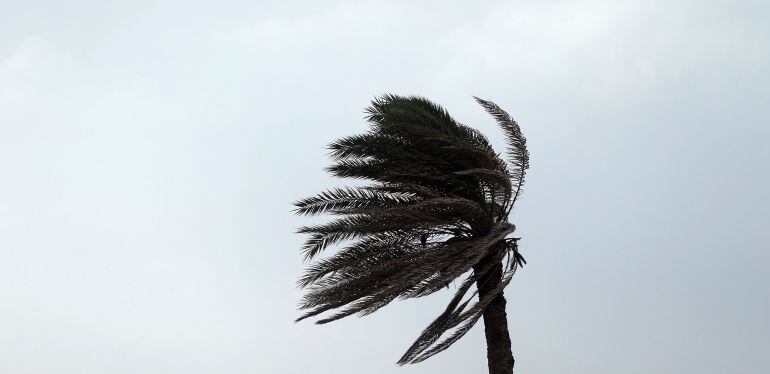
x: 150, y: 153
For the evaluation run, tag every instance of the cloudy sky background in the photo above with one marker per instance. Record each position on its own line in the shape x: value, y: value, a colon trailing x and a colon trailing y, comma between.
x: 149, y: 152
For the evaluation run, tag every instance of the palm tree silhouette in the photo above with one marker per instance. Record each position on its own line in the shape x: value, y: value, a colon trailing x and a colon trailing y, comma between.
x: 435, y: 209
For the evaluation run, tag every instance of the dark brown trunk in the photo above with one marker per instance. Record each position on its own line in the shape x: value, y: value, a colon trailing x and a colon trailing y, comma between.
x: 499, y: 355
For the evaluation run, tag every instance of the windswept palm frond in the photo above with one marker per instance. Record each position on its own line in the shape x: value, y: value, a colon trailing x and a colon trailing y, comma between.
x: 340, y: 200
x: 435, y: 210
x: 518, y: 156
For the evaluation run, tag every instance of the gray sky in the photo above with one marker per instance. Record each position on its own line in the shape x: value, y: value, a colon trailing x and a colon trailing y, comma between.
x: 149, y: 152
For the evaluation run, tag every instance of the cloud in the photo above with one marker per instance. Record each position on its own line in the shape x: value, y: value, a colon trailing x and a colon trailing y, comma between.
x: 22, y: 73
x: 606, y: 52
x: 149, y: 154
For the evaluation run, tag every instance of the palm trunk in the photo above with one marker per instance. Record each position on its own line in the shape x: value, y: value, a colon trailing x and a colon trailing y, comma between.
x: 499, y: 355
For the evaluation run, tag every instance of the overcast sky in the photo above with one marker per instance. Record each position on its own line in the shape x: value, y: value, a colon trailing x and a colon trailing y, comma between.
x: 149, y: 153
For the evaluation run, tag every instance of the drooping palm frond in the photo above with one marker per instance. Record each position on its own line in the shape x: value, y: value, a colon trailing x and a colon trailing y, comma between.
x: 435, y: 210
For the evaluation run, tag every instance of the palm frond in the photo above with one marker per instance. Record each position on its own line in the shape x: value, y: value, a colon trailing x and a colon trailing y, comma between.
x: 341, y: 199
x: 518, y: 155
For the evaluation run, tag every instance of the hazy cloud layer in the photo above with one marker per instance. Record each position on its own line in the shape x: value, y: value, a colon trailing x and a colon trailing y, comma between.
x: 149, y: 152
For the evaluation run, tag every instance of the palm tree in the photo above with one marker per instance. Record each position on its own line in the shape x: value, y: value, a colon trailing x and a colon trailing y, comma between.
x: 434, y: 208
